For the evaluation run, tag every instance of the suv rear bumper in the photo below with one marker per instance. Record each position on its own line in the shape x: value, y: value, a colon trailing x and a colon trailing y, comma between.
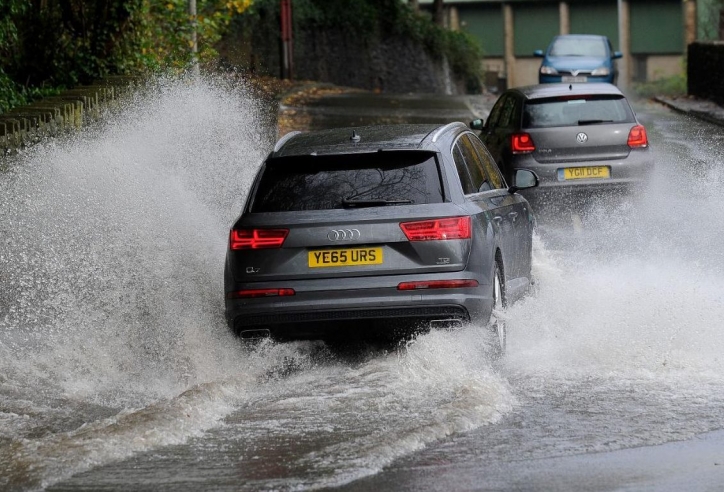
x: 356, y: 313
x: 349, y: 323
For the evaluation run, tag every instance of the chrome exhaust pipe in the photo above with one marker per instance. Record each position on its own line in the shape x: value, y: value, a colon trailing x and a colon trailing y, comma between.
x: 446, y: 323
x: 254, y: 334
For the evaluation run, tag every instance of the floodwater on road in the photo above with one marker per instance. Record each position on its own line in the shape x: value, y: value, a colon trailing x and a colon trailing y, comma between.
x: 117, y: 371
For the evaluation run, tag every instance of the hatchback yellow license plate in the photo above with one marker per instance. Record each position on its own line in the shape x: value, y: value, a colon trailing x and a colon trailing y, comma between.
x: 594, y: 172
x: 345, y: 257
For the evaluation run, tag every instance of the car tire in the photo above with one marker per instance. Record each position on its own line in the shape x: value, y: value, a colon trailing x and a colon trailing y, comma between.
x: 497, y: 317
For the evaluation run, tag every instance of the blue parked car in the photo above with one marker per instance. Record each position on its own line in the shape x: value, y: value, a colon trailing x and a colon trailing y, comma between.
x: 578, y: 58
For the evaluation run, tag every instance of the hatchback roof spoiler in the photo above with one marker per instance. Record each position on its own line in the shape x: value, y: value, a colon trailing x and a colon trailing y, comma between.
x: 280, y: 143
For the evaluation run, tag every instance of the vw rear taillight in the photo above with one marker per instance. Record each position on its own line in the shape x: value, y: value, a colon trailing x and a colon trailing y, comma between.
x: 257, y: 238
x: 437, y: 229
x: 255, y: 293
x: 637, y: 137
x: 521, y: 143
x: 437, y: 284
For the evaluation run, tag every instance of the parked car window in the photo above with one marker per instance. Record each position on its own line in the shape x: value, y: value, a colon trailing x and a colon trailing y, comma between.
x: 472, y: 162
x: 544, y: 113
x: 489, y: 166
x: 324, y: 182
x: 462, y: 170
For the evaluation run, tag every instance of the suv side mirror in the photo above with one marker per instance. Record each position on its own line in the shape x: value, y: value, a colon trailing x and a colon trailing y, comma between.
x: 617, y: 54
x: 538, y: 53
x: 477, y: 125
x: 524, y: 179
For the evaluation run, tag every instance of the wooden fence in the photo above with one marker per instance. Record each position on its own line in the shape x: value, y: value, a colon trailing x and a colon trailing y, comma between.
x: 705, y: 70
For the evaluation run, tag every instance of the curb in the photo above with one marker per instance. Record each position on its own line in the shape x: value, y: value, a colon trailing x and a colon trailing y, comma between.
x: 711, y: 113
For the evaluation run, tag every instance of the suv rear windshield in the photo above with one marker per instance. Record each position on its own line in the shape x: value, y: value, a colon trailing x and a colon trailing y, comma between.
x: 573, y: 111
x: 350, y: 180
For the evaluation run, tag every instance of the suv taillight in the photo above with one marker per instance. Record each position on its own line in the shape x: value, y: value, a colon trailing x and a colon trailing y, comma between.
x: 521, y: 143
x: 437, y: 229
x: 257, y: 238
x: 637, y: 137
x: 437, y: 284
x: 256, y: 293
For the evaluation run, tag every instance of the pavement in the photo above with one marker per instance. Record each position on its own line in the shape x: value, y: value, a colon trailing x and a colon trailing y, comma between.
x: 693, y: 106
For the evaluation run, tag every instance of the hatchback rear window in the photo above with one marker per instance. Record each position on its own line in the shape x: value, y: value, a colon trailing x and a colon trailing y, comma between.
x: 574, y: 111
x: 345, y: 181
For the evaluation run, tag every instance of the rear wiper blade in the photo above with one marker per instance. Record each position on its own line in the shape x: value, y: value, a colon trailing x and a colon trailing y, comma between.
x: 373, y: 203
x: 593, y: 122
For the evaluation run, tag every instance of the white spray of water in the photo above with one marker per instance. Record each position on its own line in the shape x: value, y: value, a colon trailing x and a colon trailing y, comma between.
x: 113, y: 243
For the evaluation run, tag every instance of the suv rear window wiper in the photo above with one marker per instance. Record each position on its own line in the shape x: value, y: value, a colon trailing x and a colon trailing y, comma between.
x: 593, y: 122
x: 349, y: 203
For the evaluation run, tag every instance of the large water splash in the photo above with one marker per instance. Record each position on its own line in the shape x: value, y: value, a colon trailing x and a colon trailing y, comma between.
x: 112, y: 337
x: 113, y: 242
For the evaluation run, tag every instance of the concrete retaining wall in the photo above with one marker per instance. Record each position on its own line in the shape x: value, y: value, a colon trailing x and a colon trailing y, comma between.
x: 387, y: 63
x: 705, y: 70
x: 393, y: 64
x: 25, y: 125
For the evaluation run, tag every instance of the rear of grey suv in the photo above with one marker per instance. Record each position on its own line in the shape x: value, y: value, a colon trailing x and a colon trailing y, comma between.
x: 365, y: 233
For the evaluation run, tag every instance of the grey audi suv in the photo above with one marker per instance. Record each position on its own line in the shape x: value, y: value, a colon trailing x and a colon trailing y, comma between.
x: 377, y: 231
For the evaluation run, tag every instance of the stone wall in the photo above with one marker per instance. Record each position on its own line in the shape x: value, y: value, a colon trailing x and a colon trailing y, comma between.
x: 69, y: 111
x: 388, y: 63
x: 394, y: 64
x: 705, y: 70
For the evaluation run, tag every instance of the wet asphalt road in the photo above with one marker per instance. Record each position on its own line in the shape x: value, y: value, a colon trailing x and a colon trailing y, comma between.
x: 613, y: 379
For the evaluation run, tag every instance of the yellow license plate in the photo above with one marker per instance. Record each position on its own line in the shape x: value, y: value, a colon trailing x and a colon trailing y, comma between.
x: 345, y: 257
x: 586, y: 172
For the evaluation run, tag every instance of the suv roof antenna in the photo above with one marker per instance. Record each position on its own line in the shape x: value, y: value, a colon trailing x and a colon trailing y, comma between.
x: 570, y: 87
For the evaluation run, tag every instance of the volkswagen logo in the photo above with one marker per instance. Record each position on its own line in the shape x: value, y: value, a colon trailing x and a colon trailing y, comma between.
x: 581, y: 138
x: 343, y: 235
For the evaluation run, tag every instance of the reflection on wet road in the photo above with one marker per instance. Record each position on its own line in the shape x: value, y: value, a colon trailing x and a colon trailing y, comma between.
x: 117, y: 371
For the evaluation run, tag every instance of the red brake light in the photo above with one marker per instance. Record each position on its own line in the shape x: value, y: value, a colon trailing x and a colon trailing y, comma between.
x: 437, y: 284
x: 257, y: 238
x: 437, y: 229
x: 637, y: 137
x: 521, y: 143
x: 252, y: 293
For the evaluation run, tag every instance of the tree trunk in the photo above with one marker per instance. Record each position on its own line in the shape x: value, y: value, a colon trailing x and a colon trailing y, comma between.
x: 438, y: 14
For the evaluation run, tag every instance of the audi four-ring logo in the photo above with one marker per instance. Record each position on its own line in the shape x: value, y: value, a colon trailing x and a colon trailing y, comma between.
x: 582, y: 137
x: 343, y: 235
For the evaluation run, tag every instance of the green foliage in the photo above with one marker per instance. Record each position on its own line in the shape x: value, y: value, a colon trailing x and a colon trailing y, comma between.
x: 50, y: 44
x: 10, y: 92
x: 462, y: 50
x: 675, y: 85
x: 165, y: 30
